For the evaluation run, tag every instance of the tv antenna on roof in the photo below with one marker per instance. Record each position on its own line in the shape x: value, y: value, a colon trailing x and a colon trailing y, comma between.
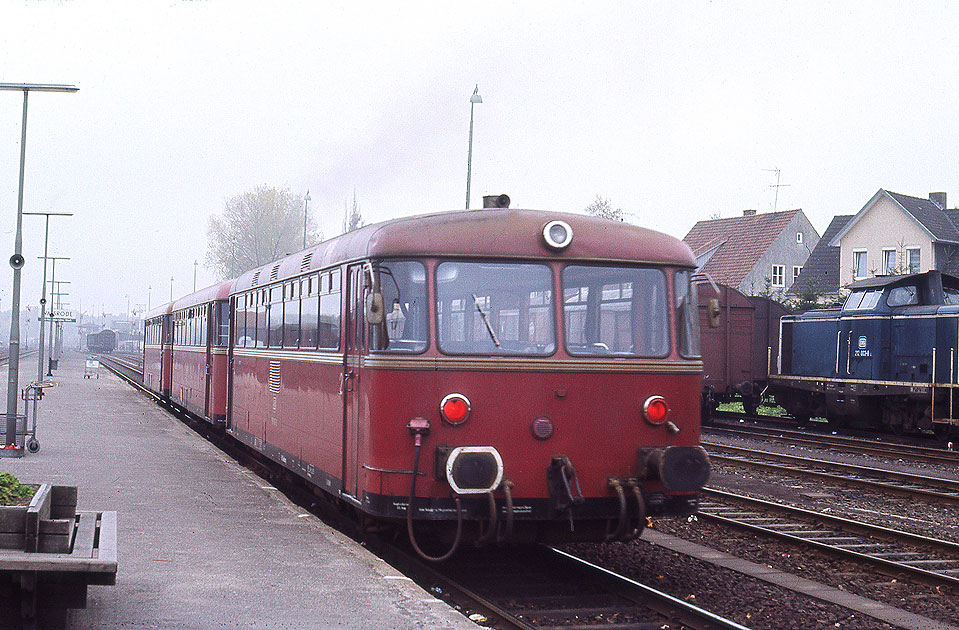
x: 777, y: 185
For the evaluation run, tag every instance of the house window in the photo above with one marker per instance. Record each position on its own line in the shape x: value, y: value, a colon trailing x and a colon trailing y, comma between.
x: 889, y: 262
x: 859, y: 262
x: 798, y: 237
x: 912, y: 259
x: 796, y: 271
x: 779, y: 275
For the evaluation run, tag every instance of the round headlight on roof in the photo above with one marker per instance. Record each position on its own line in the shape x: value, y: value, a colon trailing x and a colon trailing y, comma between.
x: 557, y: 234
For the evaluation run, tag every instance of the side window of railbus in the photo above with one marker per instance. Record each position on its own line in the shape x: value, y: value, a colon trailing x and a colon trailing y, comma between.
x: 687, y: 314
x: 402, y: 283
x: 495, y: 308
x: 330, y: 307
x: 950, y: 295
x: 615, y: 310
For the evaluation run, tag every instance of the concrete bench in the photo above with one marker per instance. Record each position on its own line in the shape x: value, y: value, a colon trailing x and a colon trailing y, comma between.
x: 49, y: 554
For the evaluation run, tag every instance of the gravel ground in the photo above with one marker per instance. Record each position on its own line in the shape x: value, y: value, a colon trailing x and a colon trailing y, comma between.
x: 759, y: 605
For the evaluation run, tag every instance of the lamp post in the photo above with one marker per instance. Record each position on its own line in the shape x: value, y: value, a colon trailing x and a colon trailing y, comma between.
x: 306, y: 206
x: 171, y: 288
x: 149, y: 296
x: 16, y: 261
x: 43, y: 291
x: 474, y: 99
x: 194, y: 277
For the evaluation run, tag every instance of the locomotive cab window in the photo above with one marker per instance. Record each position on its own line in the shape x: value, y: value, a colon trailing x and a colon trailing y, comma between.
x: 903, y: 296
x: 402, y: 284
x: 495, y: 308
x: 616, y: 310
x: 862, y: 300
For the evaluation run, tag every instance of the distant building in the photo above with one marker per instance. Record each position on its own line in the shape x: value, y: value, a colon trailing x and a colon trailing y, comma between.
x: 755, y: 253
x: 820, y: 274
x: 897, y: 234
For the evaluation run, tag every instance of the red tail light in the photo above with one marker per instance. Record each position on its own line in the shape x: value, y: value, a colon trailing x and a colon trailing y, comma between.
x: 655, y: 410
x: 455, y: 409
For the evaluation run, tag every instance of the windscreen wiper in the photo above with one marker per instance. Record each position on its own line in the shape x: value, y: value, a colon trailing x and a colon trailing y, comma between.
x: 482, y: 313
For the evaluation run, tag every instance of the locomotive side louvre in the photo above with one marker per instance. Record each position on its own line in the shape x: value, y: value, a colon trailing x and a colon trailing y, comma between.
x: 893, y: 359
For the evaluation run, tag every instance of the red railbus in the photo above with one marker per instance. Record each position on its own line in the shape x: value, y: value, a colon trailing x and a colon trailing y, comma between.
x: 480, y: 375
x: 158, y: 350
x: 200, y: 327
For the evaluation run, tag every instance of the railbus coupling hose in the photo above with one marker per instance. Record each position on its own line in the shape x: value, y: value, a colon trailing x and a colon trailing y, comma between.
x: 616, y: 486
x: 507, y: 533
x: 633, y: 485
x: 418, y: 428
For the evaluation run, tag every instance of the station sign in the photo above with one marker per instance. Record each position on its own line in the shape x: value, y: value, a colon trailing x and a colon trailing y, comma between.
x: 60, y: 315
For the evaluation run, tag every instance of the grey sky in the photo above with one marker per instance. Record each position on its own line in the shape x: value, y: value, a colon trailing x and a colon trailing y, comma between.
x: 670, y: 110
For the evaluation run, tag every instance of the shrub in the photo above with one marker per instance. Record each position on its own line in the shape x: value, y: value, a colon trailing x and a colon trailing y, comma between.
x: 11, y: 490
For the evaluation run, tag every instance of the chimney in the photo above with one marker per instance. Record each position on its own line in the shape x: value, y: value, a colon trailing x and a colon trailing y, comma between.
x: 749, y: 213
x: 938, y: 198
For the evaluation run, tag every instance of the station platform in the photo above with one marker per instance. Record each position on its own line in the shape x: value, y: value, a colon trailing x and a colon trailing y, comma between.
x: 202, y: 542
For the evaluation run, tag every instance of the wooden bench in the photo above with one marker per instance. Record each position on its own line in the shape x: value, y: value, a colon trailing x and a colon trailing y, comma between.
x: 49, y: 554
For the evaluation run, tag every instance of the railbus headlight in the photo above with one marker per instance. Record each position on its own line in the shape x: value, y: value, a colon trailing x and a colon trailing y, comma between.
x: 557, y: 234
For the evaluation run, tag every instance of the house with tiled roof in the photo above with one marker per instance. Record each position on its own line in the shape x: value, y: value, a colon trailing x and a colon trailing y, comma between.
x: 756, y: 253
x: 820, y: 275
x: 896, y: 234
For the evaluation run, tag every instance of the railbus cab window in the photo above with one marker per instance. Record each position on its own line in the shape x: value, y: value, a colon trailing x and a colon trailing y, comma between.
x: 404, y: 327
x: 495, y: 308
x: 615, y: 310
x: 687, y: 314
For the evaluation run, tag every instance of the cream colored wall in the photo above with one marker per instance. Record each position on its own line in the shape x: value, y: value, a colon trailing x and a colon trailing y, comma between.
x: 884, y: 225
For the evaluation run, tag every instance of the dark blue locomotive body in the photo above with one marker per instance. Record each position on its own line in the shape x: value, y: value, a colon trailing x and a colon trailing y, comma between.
x: 887, y: 358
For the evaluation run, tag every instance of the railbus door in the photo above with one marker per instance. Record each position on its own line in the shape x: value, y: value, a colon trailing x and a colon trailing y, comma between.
x: 212, y: 328
x: 354, y: 348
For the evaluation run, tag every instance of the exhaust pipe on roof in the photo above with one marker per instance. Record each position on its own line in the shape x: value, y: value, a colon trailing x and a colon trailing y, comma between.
x: 496, y: 201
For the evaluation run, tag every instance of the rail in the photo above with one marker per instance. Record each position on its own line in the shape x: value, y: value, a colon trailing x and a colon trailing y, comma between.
x: 932, y: 560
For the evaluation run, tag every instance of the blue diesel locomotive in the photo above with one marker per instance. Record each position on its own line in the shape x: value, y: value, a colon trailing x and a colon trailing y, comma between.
x: 886, y: 359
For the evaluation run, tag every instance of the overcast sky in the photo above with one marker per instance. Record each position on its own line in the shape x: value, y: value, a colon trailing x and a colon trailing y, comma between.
x: 675, y: 112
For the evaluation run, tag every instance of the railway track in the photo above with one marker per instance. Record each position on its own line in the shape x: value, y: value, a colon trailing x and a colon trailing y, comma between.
x: 888, y: 481
x: 932, y: 560
x: 538, y: 588
x: 847, y: 444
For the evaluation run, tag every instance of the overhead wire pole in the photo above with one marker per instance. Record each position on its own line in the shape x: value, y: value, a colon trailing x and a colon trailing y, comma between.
x: 10, y: 447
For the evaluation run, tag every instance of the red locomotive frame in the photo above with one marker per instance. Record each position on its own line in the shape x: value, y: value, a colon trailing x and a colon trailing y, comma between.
x: 519, y: 374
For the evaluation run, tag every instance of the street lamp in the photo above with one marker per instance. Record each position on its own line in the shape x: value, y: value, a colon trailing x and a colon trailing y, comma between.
x: 306, y: 205
x: 476, y: 98
x: 194, y: 276
x: 16, y: 261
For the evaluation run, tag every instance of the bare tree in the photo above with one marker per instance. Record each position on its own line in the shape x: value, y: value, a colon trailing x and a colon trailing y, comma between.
x: 352, y: 219
x: 603, y: 208
x: 255, y: 228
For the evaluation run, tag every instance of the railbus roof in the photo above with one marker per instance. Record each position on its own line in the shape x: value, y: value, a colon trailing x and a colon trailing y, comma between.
x: 487, y: 233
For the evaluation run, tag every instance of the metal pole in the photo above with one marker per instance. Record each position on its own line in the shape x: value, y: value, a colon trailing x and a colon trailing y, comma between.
x: 306, y: 206
x: 474, y: 99
x: 13, y: 373
x: 43, y: 306
x: 53, y: 281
